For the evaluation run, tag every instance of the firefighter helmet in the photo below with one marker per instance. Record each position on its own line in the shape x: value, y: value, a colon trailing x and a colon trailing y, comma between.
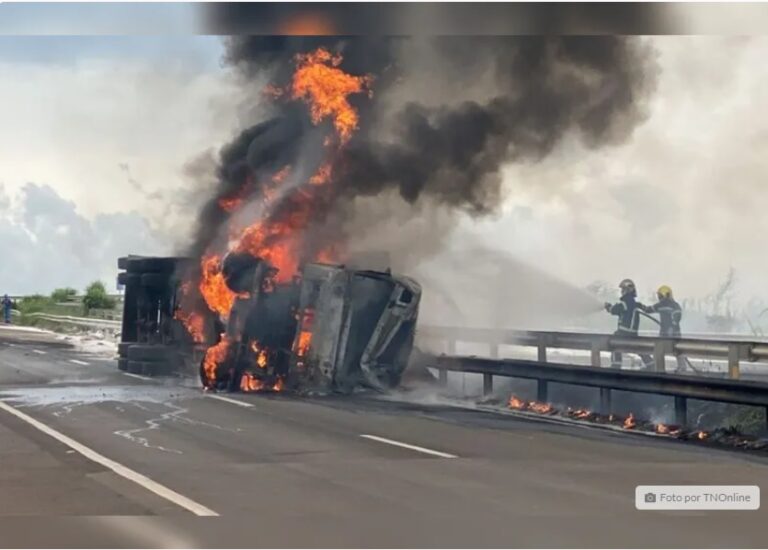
x: 664, y: 292
x: 627, y: 286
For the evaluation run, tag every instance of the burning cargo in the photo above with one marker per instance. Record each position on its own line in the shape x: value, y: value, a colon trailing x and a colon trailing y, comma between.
x: 329, y: 328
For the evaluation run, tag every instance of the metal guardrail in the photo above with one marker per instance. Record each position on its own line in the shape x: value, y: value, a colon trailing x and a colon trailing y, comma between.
x: 732, y: 351
x: 81, y: 321
x: 681, y: 388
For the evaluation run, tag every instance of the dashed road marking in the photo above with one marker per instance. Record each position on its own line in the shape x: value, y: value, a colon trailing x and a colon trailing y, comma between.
x: 408, y: 446
x: 78, y: 362
x: 123, y: 471
x: 140, y: 377
x: 39, y: 351
x: 229, y: 400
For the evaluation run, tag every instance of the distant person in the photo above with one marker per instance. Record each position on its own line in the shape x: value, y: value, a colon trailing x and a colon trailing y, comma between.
x: 670, y: 315
x: 7, y: 305
x: 627, y: 309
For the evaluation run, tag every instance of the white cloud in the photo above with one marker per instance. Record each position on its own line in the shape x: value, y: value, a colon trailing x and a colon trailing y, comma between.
x: 45, y: 243
x: 72, y: 125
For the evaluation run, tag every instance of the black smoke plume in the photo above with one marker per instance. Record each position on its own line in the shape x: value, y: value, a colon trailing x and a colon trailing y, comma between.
x: 448, y: 152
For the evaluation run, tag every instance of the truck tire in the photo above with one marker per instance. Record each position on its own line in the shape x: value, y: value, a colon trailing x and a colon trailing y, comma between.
x: 122, y: 263
x: 152, y: 368
x: 152, y: 352
x: 152, y: 265
x: 128, y: 278
x: 122, y: 364
x: 134, y: 367
x: 157, y: 368
x: 122, y: 348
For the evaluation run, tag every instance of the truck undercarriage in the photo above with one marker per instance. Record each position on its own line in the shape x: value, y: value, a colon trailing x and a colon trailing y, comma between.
x: 330, y: 328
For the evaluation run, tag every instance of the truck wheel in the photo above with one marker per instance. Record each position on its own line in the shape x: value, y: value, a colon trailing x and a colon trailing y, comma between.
x: 126, y: 279
x: 122, y: 348
x: 152, y: 265
x: 122, y: 364
x: 150, y: 352
x: 134, y: 367
x: 122, y: 263
x: 157, y: 368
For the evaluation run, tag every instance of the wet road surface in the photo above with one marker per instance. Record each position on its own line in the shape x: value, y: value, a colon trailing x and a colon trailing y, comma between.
x: 325, y: 471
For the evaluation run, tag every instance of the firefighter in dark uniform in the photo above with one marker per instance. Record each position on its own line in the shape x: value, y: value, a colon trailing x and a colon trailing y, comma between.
x: 670, y: 314
x: 627, y: 309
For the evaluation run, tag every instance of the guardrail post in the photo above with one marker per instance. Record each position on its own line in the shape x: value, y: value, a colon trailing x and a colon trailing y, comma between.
x: 487, y: 384
x: 442, y: 377
x: 494, y: 351
x: 605, y: 401
x: 541, y: 391
x: 659, y: 356
x: 451, y: 346
x: 541, y: 347
x: 734, y: 356
x: 681, y: 411
x: 595, y: 355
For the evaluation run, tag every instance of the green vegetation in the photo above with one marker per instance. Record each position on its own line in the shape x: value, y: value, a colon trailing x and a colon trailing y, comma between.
x: 66, y: 294
x: 34, y: 304
x: 96, y: 297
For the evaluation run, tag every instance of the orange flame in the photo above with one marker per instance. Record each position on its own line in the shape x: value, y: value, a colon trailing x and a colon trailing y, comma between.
x: 581, y: 413
x: 322, y: 176
x: 516, y: 403
x: 213, y: 358
x: 662, y: 429
x: 250, y: 383
x: 325, y: 87
x: 230, y: 204
x: 193, y: 322
x: 214, y: 288
x: 261, y: 355
x: 539, y: 407
x: 629, y: 422
x: 702, y: 435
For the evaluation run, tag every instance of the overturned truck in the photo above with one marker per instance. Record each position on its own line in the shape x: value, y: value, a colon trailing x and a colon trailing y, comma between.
x: 330, y: 328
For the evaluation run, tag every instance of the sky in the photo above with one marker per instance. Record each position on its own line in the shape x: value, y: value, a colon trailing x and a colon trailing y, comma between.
x: 100, y: 133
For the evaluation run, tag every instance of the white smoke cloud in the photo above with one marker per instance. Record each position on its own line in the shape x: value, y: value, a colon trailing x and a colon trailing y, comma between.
x: 680, y: 203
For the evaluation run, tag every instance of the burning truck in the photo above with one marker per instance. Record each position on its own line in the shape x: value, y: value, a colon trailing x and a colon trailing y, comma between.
x: 329, y: 328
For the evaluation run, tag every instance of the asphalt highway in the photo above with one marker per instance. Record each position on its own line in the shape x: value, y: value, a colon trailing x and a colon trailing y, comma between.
x: 115, y: 460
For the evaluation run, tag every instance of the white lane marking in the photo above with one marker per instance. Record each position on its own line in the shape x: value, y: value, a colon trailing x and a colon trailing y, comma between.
x: 39, y: 351
x: 123, y: 471
x: 408, y: 446
x: 229, y: 400
x: 78, y: 362
x: 140, y: 377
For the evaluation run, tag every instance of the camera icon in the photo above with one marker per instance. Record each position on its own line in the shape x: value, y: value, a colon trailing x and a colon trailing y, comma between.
x: 650, y: 497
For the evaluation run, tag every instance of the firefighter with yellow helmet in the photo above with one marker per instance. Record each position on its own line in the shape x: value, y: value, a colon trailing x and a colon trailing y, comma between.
x: 670, y: 313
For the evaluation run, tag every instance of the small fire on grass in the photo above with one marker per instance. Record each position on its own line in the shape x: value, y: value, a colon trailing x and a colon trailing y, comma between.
x: 629, y: 422
x: 730, y: 437
x: 665, y: 429
x: 536, y: 406
x: 580, y: 413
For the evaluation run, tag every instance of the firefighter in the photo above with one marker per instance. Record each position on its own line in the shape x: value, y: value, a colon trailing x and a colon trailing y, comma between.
x: 627, y: 309
x: 669, y: 312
